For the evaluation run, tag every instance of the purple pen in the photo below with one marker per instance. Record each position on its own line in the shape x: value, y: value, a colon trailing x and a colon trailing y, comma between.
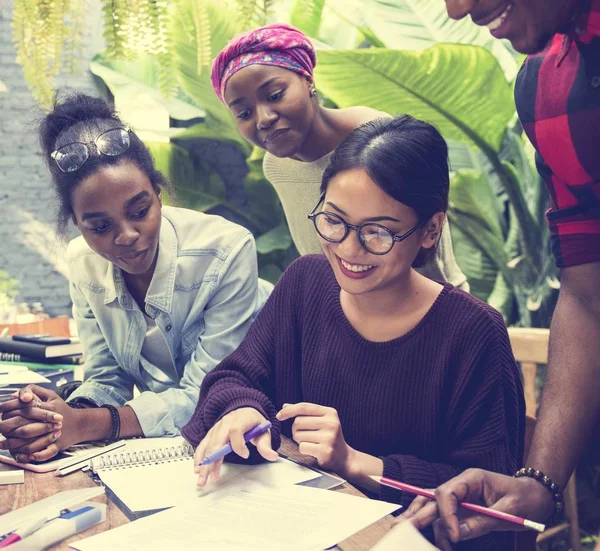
x: 252, y: 433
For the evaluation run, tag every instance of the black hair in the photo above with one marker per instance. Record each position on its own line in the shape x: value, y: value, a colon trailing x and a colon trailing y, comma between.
x: 406, y: 157
x: 81, y: 118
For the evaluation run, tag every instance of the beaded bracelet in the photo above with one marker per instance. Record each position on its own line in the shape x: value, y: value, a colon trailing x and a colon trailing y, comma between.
x: 116, y: 423
x: 553, y: 488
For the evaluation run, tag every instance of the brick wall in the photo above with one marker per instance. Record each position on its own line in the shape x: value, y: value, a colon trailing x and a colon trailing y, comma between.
x: 29, y: 250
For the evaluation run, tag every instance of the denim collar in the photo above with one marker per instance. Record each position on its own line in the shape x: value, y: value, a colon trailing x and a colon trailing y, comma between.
x: 160, y: 292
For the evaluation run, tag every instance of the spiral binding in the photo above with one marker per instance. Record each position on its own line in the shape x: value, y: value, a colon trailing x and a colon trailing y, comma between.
x: 143, y: 457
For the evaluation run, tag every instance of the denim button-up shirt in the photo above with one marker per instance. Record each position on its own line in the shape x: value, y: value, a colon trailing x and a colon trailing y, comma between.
x: 204, y: 294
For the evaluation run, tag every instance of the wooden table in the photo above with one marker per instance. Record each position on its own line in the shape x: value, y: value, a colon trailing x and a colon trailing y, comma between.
x: 39, y: 486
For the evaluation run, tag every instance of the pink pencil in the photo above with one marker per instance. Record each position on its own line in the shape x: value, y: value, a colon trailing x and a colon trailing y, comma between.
x: 470, y: 506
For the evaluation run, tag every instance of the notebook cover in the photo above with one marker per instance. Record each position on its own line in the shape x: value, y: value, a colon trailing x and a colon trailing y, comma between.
x: 39, y: 351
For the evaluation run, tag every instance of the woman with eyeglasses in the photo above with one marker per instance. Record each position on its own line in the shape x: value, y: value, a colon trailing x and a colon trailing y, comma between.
x: 371, y: 367
x: 265, y: 78
x: 160, y: 294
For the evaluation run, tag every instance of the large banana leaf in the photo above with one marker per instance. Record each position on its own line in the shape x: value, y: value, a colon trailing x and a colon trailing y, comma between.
x: 194, y: 77
x: 306, y: 15
x: 131, y: 81
x: 461, y: 89
x: 419, y: 24
x: 476, y: 231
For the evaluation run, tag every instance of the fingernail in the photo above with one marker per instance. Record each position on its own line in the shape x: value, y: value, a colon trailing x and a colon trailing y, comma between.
x: 464, y: 530
x: 57, y: 417
x: 57, y: 434
x: 278, y: 415
x: 32, y: 458
x: 57, y: 426
x: 26, y: 395
x: 1, y: 445
x: 284, y: 406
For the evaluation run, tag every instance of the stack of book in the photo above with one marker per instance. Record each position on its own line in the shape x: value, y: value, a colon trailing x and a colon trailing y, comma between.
x: 54, y: 358
x: 40, y: 349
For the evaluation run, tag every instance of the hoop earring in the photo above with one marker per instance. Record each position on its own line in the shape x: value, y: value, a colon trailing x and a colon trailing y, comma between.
x: 313, y: 92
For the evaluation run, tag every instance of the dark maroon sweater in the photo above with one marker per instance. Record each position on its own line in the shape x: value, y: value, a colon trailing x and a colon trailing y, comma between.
x: 442, y: 398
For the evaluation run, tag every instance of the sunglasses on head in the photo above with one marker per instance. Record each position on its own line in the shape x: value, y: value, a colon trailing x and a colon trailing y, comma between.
x: 72, y: 157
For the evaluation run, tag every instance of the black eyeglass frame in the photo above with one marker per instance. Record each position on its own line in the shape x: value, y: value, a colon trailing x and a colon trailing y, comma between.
x: 396, y: 237
x: 54, y: 154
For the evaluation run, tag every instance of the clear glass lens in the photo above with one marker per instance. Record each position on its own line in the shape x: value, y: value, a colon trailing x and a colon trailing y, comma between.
x: 71, y: 157
x: 113, y: 142
x: 376, y: 239
x: 330, y: 226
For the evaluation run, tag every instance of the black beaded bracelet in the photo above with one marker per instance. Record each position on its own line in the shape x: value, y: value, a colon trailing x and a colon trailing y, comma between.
x: 116, y: 423
x: 546, y: 481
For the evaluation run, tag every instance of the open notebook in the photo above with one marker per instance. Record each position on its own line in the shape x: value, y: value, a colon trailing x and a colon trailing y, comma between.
x: 149, y: 474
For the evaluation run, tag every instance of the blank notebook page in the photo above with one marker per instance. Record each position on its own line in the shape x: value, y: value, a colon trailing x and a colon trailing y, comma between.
x: 161, y: 484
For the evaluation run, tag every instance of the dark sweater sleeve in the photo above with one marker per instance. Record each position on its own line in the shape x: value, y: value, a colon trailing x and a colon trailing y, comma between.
x: 245, y: 377
x: 486, y: 413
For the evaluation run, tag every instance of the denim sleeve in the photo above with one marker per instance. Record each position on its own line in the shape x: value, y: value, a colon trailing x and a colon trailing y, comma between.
x: 235, y: 302
x: 104, y: 380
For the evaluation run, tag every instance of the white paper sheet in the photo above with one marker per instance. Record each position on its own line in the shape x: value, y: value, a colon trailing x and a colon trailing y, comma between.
x: 10, y: 376
x: 148, y: 487
x: 403, y: 537
x: 254, y: 518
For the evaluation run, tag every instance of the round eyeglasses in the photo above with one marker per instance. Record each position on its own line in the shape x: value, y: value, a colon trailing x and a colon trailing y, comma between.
x: 72, y: 157
x: 374, y: 238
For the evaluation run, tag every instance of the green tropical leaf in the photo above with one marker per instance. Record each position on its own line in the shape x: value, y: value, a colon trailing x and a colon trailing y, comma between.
x: 278, y: 239
x: 475, y: 263
x: 270, y: 272
x: 502, y: 298
x: 470, y: 194
x: 443, y: 85
x: 419, y: 24
x: 306, y: 15
x: 476, y: 231
x: 135, y: 82
x: 197, y: 85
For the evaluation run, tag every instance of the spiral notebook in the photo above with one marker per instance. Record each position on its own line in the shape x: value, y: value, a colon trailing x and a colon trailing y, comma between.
x: 151, y: 474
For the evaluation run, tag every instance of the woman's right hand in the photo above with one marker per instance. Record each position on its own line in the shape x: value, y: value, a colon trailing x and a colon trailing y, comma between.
x: 29, y: 423
x: 231, y: 429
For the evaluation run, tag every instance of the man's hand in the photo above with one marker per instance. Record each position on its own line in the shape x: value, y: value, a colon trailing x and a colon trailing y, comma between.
x: 318, y: 431
x: 231, y: 429
x: 37, y: 424
x: 523, y: 497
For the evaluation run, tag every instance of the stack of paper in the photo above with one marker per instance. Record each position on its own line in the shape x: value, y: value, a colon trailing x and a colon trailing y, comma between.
x: 255, y: 518
x: 19, y: 375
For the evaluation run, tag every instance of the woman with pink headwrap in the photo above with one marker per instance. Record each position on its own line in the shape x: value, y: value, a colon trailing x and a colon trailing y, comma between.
x: 265, y: 77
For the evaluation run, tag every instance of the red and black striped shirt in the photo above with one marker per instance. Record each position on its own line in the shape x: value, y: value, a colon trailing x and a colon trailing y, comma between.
x: 558, y: 100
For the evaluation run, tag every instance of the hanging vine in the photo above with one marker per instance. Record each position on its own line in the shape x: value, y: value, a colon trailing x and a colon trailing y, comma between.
x: 253, y: 13
x: 49, y: 36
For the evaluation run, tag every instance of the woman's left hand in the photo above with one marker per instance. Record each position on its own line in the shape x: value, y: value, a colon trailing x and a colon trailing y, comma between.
x: 318, y: 431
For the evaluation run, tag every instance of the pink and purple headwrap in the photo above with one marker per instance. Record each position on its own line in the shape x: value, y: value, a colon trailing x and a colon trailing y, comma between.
x: 277, y: 45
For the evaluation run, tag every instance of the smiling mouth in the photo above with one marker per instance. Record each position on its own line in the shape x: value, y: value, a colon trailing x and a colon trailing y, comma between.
x: 276, y: 135
x: 495, y: 20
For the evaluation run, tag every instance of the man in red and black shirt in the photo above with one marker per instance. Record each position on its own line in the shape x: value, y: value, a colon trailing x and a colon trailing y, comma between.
x: 557, y: 94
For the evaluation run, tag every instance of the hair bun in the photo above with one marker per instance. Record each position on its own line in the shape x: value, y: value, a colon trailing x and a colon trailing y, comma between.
x: 68, y: 111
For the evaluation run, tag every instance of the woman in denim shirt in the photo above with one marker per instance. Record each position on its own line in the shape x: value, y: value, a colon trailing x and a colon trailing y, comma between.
x: 160, y: 294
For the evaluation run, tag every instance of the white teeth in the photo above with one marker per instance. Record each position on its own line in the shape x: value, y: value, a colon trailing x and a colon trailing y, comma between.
x: 356, y: 267
x: 496, y: 23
